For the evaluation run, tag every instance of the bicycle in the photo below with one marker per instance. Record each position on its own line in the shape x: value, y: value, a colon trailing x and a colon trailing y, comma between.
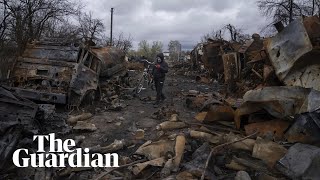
x: 146, y: 79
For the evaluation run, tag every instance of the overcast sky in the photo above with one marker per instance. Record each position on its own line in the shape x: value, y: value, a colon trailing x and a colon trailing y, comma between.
x: 183, y: 20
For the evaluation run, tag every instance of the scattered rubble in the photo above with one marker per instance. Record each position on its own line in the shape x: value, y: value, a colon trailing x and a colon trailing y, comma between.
x: 301, y: 161
x: 81, y: 117
x: 84, y: 126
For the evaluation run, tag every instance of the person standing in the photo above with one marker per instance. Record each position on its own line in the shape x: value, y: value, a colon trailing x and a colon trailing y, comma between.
x: 159, y: 75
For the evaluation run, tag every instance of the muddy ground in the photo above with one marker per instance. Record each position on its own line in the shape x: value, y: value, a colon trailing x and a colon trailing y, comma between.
x: 140, y: 112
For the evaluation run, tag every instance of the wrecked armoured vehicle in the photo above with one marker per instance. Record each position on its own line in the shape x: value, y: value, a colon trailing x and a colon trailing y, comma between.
x: 62, y: 74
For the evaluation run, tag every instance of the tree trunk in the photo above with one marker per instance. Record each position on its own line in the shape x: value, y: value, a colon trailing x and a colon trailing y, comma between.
x: 291, y: 11
x: 30, y: 22
x: 313, y: 6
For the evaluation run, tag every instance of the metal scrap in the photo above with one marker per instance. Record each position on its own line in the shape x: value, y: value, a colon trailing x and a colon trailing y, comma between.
x: 305, y: 129
x: 301, y: 162
x: 294, y: 53
x: 15, y: 110
x: 280, y: 102
x: 273, y: 129
x: 62, y: 73
x: 16, y: 116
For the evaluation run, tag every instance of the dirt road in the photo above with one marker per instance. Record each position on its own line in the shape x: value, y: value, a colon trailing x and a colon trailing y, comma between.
x: 141, y: 114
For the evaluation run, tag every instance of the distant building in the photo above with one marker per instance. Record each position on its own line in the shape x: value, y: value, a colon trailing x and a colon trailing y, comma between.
x: 166, y: 55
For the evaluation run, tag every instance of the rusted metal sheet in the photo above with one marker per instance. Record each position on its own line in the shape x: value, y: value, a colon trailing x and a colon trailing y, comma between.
x: 306, y: 129
x: 15, y: 110
x: 44, y: 72
x: 16, y: 115
x: 295, y: 52
x: 243, y: 49
x: 269, y: 129
x: 211, y: 58
x: 94, y: 63
x: 301, y: 162
x: 280, y: 102
x: 232, y: 70
x: 64, y: 74
x: 231, y: 66
x: 113, y: 60
x: 51, y: 52
x: 219, y: 113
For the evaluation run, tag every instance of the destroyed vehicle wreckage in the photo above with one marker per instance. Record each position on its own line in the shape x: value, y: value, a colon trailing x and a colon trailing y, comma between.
x: 288, y: 58
x: 54, y: 73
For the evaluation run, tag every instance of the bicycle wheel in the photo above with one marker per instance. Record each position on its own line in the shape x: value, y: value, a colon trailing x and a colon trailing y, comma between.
x: 140, y: 85
x: 151, y: 85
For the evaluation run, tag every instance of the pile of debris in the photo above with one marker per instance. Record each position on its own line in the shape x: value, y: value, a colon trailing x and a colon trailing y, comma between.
x: 271, y: 133
x: 285, y: 59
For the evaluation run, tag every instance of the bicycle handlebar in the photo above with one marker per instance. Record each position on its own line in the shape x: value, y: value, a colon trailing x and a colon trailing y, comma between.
x: 146, y: 61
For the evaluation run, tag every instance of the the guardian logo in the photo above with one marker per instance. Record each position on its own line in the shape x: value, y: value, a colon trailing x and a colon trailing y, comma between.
x: 62, y: 154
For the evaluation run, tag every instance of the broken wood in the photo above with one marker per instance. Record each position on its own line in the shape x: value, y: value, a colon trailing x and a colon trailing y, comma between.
x: 268, y: 151
x: 179, y: 150
x: 141, y: 166
x: 205, y: 136
x: 85, y: 126
x: 217, y: 148
x: 114, y: 147
x: 174, y: 118
x: 233, y: 165
x: 155, y: 150
x: 81, y: 117
x: 246, y: 144
x: 215, y: 127
x: 169, y: 125
x: 255, y: 72
x: 166, y: 170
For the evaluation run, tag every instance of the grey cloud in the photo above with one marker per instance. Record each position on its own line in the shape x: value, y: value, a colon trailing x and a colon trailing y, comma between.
x: 183, y: 5
x: 183, y: 20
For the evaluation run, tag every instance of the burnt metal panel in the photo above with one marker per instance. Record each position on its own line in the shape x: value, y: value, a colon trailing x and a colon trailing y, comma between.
x: 42, y: 96
x: 113, y: 60
x: 211, y: 58
x: 294, y: 55
x: 57, y: 53
x: 231, y: 66
x: 16, y: 110
x: 16, y: 115
x: 44, y: 71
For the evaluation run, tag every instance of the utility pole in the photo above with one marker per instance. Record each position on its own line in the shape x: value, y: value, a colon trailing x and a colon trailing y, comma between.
x: 111, y: 26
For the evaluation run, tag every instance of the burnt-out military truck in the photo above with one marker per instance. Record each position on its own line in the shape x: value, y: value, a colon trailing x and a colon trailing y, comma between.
x: 62, y: 73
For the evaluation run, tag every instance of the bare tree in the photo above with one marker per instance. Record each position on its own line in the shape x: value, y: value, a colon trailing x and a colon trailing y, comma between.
x: 236, y: 34
x: 280, y: 10
x: 123, y: 43
x: 29, y: 18
x: 63, y: 29
x: 215, y: 35
x: 3, y: 20
x: 310, y: 7
x: 90, y: 28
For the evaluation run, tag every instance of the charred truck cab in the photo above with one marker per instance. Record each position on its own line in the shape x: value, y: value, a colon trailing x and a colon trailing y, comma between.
x: 58, y: 73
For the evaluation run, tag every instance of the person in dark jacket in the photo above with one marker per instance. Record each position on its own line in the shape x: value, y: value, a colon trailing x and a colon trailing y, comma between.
x: 159, y: 75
